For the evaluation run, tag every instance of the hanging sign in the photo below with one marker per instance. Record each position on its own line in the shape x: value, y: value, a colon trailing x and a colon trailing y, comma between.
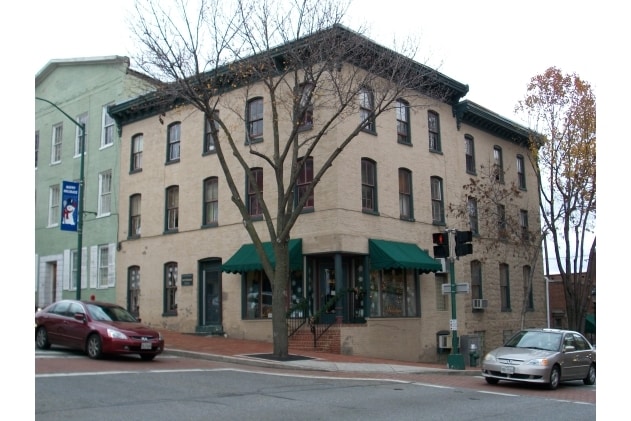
x: 69, y: 205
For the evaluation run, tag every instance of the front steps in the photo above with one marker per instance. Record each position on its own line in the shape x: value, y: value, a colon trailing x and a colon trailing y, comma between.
x: 329, y: 342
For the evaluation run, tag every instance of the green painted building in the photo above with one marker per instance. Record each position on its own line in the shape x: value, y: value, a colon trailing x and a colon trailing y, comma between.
x: 69, y: 93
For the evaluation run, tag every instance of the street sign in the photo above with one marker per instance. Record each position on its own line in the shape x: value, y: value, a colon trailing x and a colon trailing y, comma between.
x: 453, y: 324
x: 462, y: 288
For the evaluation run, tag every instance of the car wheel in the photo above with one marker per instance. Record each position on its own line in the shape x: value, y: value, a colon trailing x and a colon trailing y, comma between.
x: 491, y: 380
x: 555, y: 378
x: 94, y: 346
x: 41, y: 338
x: 147, y: 357
x: 591, y: 375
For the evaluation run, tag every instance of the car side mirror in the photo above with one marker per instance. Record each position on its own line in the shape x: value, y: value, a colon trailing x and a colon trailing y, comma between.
x: 79, y: 316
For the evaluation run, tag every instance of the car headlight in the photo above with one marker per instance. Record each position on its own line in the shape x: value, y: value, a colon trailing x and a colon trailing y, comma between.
x: 539, y: 361
x: 116, y: 334
x: 489, y: 357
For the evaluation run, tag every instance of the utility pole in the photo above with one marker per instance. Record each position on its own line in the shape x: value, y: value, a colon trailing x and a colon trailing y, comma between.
x: 455, y: 360
x: 81, y: 185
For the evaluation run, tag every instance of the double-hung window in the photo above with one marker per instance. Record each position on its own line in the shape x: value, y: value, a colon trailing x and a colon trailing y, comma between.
x: 107, y: 138
x: 406, y: 210
x: 472, y: 208
x: 369, y: 185
x: 55, y: 156
x: 173, y: 143
x: 133, y: 290
x: 170, y: 288
x: 403, y: 122
x: 172, y: 208
x: 367, y: 109
x: 305, y: 178
x: 476, y: 280
x: 504, y: 288
x: 469, y: 150
x: 438, y: 205
x: 255, y: 120
x: 104, y: 264
x: 54, y: 210
x: 211, y: 201
x: 136, y: 152
x: 498, y: 164
x: 433, y: 127
x: 105, y: 193
x: 209, y: 141
x: 134, y: 215
x: 304, y: 117
x: 78, y: 143
x: 523, y: 223
x: 521, y: 172
x: 255, y: 183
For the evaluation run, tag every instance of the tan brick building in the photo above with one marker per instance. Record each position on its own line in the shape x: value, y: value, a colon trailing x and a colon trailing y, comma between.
x: 188, y: 260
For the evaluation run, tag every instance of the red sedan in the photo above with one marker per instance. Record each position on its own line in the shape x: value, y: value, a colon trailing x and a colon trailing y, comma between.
x: 96, y: 328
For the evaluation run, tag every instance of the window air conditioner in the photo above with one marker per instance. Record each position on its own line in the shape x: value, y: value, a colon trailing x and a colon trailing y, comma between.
x: 443, y: 263
x: 443, y: 342
x: 479, y: 303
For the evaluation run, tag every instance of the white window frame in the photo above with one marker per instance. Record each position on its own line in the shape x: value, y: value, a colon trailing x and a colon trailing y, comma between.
x: 54, y: 201
x: 105, y: 193
x: 81, y: 119
x: 107, y: 134
x: 55, y: 149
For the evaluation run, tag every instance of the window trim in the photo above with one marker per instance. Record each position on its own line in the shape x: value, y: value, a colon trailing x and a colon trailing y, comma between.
x: 105, y: 196
x: 135, y: 220
x: 469, y: 151
x: 521, y: 172
x: 255, y: 121
x: 214, y: 202
x: 137, y: 146
x: 81, y: 119
x: 54, y: 205
x: 209, y: 143
x: 56, y: 143
x: 304, y: 115
x: 434, y: 146
x: 108, y: 126
x: 436, y: 186
x: 257, y: 173
x: 170, y: 289
x: 504, y: 287
x: 368, y: 187
x: 367, y: 108
x: 171, y: 211
x: 409, y: 194
x: 303, y: 181
x: 174, y: 146
x: 498, y: 164
x: 402, y: 112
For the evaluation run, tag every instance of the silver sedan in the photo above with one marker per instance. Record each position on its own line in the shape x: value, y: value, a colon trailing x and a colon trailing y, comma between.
x: 546, y: 356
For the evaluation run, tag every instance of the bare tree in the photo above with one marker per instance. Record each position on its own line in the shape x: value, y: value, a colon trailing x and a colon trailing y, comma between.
x: 562, y: 108
x: 314, y: 72
x: 493, y: 210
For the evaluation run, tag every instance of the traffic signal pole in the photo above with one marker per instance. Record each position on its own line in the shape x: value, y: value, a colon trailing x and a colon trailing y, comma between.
x: 455, y: 360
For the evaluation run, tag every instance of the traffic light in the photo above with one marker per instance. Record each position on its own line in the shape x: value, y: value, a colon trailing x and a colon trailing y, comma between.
x: 441, y: 244
x: 463, y: 243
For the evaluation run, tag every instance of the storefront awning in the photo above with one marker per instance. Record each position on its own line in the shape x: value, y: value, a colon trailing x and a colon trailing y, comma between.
x: 246, y: 259
x: 394, y: 255
x: 590, y: 323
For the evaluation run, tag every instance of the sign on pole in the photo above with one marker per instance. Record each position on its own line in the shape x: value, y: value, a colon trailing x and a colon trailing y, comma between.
x: 69, y: 205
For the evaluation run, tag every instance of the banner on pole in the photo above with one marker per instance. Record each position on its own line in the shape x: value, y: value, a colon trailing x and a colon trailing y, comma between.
x: 70, y: 207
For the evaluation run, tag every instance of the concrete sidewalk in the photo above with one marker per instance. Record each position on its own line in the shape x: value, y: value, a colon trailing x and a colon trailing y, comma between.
x: 258, y: 353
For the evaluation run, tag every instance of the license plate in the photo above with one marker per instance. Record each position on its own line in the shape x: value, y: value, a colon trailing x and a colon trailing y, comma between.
x: 145, y: 345
x: 507, y: 370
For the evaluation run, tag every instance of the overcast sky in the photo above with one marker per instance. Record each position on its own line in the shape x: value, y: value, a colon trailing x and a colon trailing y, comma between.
x: 493, y: 46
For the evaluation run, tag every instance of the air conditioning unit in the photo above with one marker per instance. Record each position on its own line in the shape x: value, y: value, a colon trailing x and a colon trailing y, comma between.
x: 479, y: 303
x: 443, y: 264
x: 443, y: 342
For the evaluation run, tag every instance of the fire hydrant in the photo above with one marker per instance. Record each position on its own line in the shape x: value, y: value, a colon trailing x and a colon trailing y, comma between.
x: 473, y: 355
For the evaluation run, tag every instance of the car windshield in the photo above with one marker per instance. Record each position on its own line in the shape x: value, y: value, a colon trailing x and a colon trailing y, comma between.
x: 549, y: 341
x: 110, y: 314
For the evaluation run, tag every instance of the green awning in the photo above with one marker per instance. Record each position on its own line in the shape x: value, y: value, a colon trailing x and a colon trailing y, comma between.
x: 590, y: 323
x: 246, y: 259
x: 394, y: 255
